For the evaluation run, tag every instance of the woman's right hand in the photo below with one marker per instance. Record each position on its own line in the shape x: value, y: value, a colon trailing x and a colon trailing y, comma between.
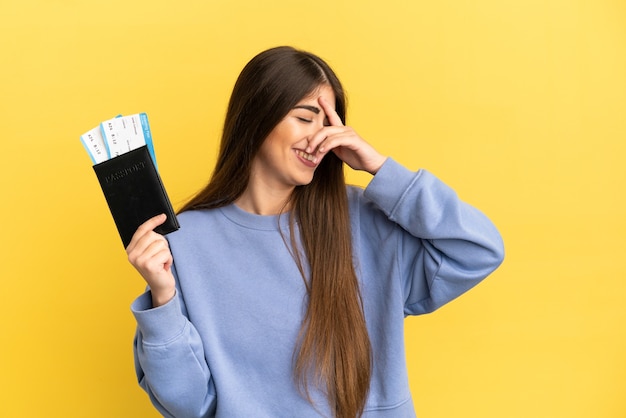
x: 150, y: 254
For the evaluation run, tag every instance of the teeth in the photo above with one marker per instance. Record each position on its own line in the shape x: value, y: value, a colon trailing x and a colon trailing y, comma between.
x: 306, y: 156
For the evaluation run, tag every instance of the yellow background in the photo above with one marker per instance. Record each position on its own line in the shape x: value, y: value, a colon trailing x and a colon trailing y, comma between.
x: 518, y: 105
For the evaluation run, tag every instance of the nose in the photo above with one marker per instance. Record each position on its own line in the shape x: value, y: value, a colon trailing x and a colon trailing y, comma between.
x: 320, y: 122
x: 314, y: 129
x: 316, y: 125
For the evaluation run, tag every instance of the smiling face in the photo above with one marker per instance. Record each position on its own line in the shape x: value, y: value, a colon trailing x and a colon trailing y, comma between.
x: 281, y: 163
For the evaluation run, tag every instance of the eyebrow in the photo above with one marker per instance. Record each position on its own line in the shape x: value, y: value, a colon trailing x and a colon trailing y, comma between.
x: 313, y: 109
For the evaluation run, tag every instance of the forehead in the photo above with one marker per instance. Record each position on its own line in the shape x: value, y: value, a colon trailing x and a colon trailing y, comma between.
x: 323, y: 90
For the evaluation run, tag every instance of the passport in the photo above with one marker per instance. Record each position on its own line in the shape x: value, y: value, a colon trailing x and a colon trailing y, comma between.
x: 134, y: 192
x: 122, y: 154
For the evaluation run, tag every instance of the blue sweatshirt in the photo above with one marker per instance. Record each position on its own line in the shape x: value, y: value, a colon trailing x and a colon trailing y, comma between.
x: 224, y: 345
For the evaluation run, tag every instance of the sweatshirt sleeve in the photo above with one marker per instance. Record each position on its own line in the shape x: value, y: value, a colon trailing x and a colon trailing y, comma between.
x: 169, y: 359
x: 445, y: 245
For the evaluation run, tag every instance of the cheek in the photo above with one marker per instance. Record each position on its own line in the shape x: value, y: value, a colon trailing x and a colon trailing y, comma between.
x: 271, y: 152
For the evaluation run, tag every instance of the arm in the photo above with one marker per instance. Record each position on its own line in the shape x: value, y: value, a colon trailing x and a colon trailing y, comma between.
x: 169, y: 355
x: 448, y: 247
x: 169, y: 360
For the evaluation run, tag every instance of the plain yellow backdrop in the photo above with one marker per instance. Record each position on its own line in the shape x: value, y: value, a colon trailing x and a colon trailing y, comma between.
x: 518, y: 105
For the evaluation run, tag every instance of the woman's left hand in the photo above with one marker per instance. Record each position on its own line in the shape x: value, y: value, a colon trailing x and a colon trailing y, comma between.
x: 345, y: 143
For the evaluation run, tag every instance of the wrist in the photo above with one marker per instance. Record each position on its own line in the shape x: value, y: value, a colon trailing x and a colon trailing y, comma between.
x: 377, y: 165
x: 162, y: 296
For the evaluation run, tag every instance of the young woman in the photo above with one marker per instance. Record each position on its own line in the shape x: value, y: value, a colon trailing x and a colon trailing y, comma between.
x: 284, y: 292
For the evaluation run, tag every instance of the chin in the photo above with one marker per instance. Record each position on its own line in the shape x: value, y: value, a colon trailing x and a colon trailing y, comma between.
x: 303, y: 181
x: 304, y: 178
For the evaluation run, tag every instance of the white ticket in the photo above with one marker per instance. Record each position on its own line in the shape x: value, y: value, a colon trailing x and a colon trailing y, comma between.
x: 95, y: 146
x: 117, y: 136
x: 126, y: 133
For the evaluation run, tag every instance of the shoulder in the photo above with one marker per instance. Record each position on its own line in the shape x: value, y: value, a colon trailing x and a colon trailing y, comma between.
x: 196, y: 217
x: 364, y: 213
x: 194, y: 223
x: 355, y: 194
x: 358, y: 201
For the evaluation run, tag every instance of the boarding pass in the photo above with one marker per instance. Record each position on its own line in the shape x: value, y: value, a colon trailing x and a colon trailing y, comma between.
x: 117, y: 136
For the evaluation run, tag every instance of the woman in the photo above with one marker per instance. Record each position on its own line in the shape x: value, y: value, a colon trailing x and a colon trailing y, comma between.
x: 283, y: 294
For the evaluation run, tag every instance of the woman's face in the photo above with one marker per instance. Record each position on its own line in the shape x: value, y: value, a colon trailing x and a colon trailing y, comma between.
x: 281, y: 162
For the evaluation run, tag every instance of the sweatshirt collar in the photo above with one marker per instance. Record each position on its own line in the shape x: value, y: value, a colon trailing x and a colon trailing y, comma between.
x: 252, y: 221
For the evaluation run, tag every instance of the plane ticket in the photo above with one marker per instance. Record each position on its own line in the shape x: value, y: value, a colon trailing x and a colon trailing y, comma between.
x: 117, y: 136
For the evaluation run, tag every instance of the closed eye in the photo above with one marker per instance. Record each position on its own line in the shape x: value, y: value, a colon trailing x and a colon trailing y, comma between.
x: 305, y: 120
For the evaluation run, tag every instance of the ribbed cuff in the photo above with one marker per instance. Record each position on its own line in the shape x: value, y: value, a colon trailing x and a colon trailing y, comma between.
x: 161, y: 324
x: 389, y: 185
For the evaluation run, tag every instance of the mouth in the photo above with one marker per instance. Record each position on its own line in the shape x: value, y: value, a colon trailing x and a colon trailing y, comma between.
x: 309, y: 159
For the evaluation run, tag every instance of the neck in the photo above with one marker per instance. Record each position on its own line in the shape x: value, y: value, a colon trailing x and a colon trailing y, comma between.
x: 264, y: 201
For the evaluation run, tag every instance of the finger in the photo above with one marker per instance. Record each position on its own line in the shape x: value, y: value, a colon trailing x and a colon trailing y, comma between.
x: 144, y: 228
x: 331, y: 114
x: 144, y: 245
x: 322, y: 136
x: 152, y: 254
x: 343, y: 138
x: 156, y: 256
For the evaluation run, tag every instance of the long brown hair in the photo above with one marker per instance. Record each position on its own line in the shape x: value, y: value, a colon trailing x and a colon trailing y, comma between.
x: 334, y: 350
